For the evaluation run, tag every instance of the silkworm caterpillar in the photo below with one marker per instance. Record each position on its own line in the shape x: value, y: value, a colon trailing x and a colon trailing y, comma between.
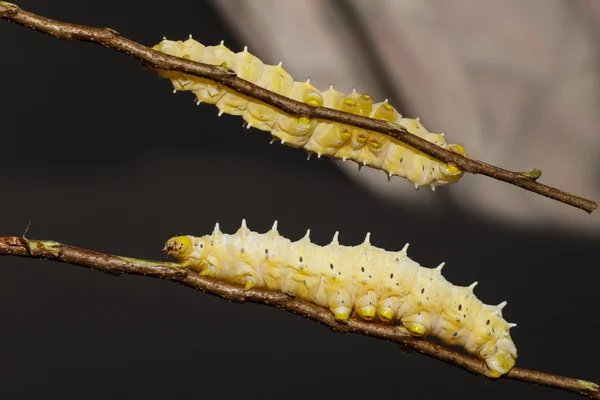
x: 364, y: 279
x: 333, y: 139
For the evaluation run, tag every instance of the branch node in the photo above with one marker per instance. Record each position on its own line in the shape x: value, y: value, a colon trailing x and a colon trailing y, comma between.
x: 224, y: 68
x: 43, y: 248
x: 110, y: 32
x: 533, y: 175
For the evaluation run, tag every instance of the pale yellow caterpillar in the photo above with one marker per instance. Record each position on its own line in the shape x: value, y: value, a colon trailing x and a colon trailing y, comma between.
x: 333, y: 139
x: 364, y: 279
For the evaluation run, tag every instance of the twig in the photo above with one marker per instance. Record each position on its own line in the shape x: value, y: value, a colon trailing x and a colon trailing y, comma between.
x: 112, y: 39
x: 115, y: 265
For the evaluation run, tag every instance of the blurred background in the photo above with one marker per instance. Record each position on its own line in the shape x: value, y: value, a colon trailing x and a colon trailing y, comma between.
x: 521, y: 78
x: 97, y: 152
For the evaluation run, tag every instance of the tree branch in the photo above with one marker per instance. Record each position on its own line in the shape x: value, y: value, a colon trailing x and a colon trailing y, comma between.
x: 112, y: 39
x: 115, y: 265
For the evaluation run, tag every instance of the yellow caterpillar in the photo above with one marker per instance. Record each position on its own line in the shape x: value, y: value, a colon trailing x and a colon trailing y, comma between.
x: 368, y: 280
x: 315, y: 136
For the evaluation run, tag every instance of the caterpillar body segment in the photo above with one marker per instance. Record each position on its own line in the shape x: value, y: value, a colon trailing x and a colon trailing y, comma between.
x: 371, y: 282
x: 293, y: 131
x: 332, y: 139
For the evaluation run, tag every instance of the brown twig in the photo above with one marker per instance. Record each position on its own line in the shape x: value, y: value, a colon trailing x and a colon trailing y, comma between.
x: 111, y: 38
x: 115, y: 265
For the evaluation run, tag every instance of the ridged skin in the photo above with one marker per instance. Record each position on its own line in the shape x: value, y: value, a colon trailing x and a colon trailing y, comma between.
x: 367, y: 148
x: 364, y: 279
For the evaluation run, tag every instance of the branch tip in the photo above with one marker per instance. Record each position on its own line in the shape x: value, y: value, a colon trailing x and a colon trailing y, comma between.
x: 587, y: 385
x: 10, y: 10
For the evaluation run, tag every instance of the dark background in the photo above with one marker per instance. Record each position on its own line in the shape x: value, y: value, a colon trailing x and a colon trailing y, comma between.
x: 98, y: 153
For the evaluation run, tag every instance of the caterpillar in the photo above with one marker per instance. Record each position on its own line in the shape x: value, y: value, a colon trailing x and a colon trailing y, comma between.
x: 363, y: 279
x: 367, y: 148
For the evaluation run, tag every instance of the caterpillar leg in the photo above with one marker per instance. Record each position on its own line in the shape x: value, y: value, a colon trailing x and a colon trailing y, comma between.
x: 417, y: 324
x: 329, y: 137
x: 211, y: 94
x: 208, y: 267
x: 247, y: 67
x: 208, y: 91
x: 232, y: 103
x: 385, y: 314
x: 208, y: 270
x: 296, y: 131
x: 340, y: 303
x: 245, y: 275
x: 387, y: 308
x: 275, y: 79
x: 250, y: 282
x: 301, y: 286
x: 273, y: 276
x: 365, y: 306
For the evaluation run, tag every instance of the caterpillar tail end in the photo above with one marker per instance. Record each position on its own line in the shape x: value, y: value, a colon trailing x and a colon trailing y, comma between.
x: 503, y: 359
x: 499, y: 364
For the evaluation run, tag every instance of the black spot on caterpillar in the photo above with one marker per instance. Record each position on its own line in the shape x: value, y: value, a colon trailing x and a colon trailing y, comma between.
x: 365, y: 279
x: 321, y: 137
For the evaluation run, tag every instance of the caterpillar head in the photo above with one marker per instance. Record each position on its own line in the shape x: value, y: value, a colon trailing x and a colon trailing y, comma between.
x: 450, y: 173
x: 377, y: 143
x: 180, y: 247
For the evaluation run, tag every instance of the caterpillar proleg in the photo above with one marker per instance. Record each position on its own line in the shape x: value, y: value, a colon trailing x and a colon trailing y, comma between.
x: 363, y: 279
x: 333, y: 139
